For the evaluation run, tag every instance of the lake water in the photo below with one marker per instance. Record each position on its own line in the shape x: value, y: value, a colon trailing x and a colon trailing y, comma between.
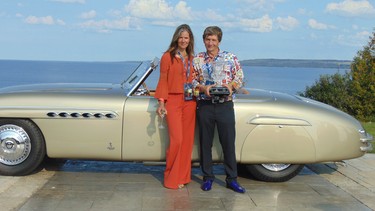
x: 13, y: 72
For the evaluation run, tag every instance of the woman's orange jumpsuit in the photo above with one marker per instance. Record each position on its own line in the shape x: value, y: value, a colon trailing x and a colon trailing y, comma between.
x: 180, y: 119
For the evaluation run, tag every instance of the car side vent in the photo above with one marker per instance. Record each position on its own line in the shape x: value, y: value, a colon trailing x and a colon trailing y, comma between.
x: 63, y: 114
x: 82, y: 115
x: 98, y: 115
x: 87, y: 115
x: 110, y: 116
x: 52, y: 114
x: 75, y: 114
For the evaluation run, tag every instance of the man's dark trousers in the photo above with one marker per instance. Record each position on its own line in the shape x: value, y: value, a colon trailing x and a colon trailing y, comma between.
x: 222, y: 115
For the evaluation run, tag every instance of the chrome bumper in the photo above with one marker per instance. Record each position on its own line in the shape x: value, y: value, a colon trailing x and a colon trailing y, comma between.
x: 366, y: 139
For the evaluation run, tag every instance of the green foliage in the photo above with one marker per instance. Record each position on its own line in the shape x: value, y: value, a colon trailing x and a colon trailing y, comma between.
x: 370, y: 128
x: 352, y: 92
x: 332, y: 90
x: 363, y: 83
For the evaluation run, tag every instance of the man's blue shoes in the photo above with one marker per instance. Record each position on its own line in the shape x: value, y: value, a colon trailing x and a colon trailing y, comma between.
x: 207, y: 185
x: 235, y: 186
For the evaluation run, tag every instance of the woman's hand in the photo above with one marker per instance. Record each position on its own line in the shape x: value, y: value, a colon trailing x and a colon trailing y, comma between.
x: 161, y: 111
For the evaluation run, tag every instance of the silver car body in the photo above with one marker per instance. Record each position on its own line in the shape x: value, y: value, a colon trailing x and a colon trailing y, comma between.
x: 118, y: 122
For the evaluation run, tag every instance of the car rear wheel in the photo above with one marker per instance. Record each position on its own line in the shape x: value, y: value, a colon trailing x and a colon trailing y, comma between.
x: 22, y: 147
x: 274, y: 172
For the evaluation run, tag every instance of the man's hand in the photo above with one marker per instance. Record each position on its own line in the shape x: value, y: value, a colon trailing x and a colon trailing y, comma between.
x: 206, y: 89
x: 229, y: 86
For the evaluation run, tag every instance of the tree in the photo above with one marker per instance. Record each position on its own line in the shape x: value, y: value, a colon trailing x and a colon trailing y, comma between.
x: 363, y: 82
x: 352, y: 92
x: 332, y: 90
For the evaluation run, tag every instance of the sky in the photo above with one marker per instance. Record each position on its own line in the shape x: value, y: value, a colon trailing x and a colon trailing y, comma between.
x: 134, y: 30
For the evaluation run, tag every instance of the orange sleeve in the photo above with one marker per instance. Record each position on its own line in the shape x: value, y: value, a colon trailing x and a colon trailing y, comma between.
x: 172, y: 77
x: 162, y: 87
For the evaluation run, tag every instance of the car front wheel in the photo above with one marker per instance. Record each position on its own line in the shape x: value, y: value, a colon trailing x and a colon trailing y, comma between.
x: 22, y: 147
x: 274, y: 172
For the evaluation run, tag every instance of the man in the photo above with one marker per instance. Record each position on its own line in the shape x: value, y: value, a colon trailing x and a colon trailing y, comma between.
x: 217, y: 109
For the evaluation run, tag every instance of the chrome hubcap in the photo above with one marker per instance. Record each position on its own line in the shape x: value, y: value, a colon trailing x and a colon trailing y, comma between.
x: 15, y: 145
x: 276, y: 167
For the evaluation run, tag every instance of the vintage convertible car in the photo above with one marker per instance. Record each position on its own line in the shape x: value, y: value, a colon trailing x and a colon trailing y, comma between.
x: 276, y: 133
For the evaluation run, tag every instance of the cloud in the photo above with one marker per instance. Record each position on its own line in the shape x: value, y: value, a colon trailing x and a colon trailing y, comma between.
x: 319, y: 26
x: 182, y: 11
x: 287, y: 24
x: 46, y: 20
x: 71, y: 1
x: 166, y: 23
x: 157, y: 12
x: 358, y: 39
x: 60, y: 22
x: 263, y: 24
x: 115, y: 13
x: 258, y: 5
x: 126, y: 23
x: 88, y: 15
x: 211, y: 15
x: 149, y: 9
x: 158, y: 9
x: 351, y: 8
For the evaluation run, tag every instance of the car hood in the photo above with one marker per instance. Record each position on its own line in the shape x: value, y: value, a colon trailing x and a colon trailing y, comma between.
x: 276, y: 107
x: 61, y: 88
x: 278, y: 99
x: 283, y: 100
x: 39, y: 99
x: 255, y: 96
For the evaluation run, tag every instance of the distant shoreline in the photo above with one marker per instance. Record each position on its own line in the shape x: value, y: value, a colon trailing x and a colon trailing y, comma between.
x: 309, y: 63
x: 298, y: 63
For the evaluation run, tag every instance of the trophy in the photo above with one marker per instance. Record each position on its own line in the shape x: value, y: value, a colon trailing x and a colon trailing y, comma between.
x: 218, y: 74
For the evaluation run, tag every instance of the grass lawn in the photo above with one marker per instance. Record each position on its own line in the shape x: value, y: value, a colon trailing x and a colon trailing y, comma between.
x: 370, y: 128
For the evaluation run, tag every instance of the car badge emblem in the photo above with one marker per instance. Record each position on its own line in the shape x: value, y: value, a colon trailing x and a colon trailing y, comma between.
x: 110, y: 147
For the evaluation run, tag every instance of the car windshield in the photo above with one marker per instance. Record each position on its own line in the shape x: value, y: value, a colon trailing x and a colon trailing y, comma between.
x: 139, y: 75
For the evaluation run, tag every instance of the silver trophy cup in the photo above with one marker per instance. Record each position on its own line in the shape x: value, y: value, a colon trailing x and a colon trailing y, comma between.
x: 218, y: 75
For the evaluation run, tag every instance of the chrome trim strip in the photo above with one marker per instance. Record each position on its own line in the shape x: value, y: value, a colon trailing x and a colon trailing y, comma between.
x: 367, y: 148
x: 366, y: 139
x: 277, y: 120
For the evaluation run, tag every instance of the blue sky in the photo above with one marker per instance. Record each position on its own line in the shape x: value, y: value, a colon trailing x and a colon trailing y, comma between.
x: 128, y: 30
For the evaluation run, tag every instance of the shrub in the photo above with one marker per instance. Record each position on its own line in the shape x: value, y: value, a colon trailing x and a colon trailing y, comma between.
x: 332, y: 90
x: 352, y: 92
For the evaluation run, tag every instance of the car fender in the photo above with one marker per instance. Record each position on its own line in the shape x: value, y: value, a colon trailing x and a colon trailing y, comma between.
x: 277, y: 139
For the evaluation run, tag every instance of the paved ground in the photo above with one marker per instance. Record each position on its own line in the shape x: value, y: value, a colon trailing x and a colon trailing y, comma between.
x: 88, y: 185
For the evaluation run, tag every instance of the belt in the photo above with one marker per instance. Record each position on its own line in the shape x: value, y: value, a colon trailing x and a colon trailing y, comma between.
x: 215, y: 101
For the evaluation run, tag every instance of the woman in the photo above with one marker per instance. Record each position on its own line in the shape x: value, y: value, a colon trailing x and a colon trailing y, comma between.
x: 175, y: 97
